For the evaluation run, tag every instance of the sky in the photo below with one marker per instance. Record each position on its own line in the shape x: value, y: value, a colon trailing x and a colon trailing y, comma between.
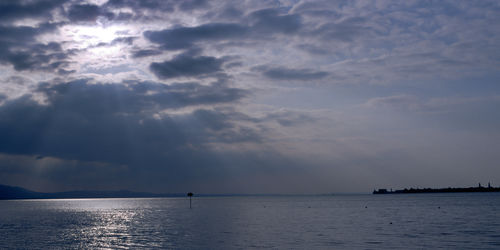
x: 249, y: 96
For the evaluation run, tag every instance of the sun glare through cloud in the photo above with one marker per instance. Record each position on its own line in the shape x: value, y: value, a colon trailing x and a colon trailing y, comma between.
x: 230, y: 124
x: 154, y: 95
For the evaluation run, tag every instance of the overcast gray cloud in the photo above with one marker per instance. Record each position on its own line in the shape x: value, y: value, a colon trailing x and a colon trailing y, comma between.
x: 79, y: 114
x: 187, y: 66
x: 185, y: 37
x: 83, y: 12
x: 145, y: 53
x: 20, y: 49
x: 113, y: 125
x: 280, y: 73
x: 248, y: 96
x: 12, y: 10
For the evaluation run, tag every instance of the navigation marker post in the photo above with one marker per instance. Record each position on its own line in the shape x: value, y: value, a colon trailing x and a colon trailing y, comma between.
x: 190, y: 195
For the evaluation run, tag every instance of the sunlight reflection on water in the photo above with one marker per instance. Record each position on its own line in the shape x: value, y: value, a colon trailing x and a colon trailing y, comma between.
x: 346, y: 222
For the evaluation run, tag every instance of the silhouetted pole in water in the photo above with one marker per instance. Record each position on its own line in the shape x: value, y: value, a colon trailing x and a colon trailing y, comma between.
x: 190, y: 195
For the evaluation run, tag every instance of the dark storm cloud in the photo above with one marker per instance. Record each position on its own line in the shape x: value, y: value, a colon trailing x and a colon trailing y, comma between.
x: 233, y: 64
x: 18, y: 35
x: 270, y: 21
x: 83, y: 12
x: 51, y: 46
x: 140, y: 5
x: 145, y: 53
x: 185, y: 37
x: 91, y: 122
x: 12, y: 10
x: 92, y: 134
x: 48, y: 57
x: 112, y: 135
x: 19, y: 48
x: 281, y: 73
x: 257, y: 25
x: 186, y: 66
x: 31, y: 61
x: 138, y: 96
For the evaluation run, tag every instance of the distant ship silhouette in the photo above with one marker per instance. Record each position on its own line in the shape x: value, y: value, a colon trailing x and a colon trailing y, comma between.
x: 479, y: 188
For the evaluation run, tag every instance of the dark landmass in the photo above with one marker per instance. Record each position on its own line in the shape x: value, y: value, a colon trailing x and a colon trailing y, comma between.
x: 9, y: 193
x: 13, y: 193
x: 439, y: 190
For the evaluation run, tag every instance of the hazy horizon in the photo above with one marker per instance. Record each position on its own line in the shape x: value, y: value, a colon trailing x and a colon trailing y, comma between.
x: 298, y: 97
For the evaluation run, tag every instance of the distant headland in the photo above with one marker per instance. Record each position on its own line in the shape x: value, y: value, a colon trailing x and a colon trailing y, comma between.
x: 9, y: 193
x: 479, y: 188
x: 13, y: 193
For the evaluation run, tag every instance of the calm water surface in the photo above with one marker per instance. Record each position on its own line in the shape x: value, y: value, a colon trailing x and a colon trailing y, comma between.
x: 417, y: 221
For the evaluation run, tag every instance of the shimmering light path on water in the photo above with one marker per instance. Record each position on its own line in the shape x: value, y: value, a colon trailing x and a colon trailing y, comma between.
x: 343, y: 221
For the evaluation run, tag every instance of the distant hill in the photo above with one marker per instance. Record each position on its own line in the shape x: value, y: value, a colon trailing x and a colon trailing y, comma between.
x: 12, y: 193
x: 9, y: 193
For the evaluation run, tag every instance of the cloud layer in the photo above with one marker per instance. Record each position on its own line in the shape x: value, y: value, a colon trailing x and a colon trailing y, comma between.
x: 252, y: 96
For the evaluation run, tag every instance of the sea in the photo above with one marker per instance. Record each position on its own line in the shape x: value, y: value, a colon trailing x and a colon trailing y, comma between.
x: 361, y: 221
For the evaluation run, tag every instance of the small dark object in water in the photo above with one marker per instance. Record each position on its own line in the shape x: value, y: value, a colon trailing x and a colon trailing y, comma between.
x: 190, y: 195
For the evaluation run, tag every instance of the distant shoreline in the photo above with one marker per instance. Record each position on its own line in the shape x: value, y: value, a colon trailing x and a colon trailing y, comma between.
x: 477, y: 189
x: 19, y: 193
